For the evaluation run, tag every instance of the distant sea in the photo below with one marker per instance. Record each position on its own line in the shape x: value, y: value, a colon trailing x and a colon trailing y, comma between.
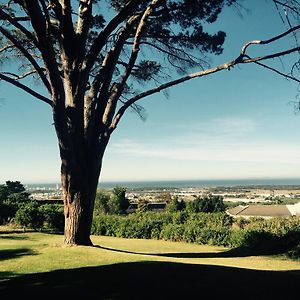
x: 184, y: 183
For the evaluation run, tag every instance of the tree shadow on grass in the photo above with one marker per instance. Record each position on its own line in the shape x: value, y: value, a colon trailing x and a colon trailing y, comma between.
x: 16, y: 231
x: 14, y: 237
x: 155, y: 280
x: 15, y: 253
x: 236, y: 252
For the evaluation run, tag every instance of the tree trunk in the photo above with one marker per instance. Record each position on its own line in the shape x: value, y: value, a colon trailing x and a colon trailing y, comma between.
x: 79, y: 187
x: 77, y: 210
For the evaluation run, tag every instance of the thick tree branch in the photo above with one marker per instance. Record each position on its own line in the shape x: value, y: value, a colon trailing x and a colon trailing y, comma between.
x: 48, y: 54
x: 84, y: 18
x: 102, y: 38
x: 25, y: 88
x: 68, y: 36
x: 56, y: 7
x: 44, y: 38
x: 164, y: 86
x: 104, y: 78
x: 118, y: 88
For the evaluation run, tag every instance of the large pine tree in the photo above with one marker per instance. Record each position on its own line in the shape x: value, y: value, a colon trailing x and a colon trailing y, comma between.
x: 90, y: 57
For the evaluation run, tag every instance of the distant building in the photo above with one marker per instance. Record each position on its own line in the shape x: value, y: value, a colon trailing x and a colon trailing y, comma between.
x: 265, y: 211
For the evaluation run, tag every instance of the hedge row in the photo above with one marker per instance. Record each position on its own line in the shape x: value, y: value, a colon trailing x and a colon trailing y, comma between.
x: 262, y: 236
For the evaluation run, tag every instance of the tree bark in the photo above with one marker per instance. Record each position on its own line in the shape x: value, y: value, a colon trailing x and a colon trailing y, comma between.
x: 81, y: 160
x: 79, y: 178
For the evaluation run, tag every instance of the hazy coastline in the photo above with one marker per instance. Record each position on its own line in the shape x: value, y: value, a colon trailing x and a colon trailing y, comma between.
x: 290, y: 182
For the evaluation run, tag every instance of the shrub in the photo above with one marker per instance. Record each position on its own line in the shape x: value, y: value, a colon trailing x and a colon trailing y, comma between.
x: 257, y: 241
x: 176, y: 205
x: 8, y: 212
x: 295, y: 252
x: 52, y: 216
x: 12, y: 197
x: 29, y: 216
x: 101, y: 202
x: 172, y: 232
x: 143, y: 206
x: 208, y: 204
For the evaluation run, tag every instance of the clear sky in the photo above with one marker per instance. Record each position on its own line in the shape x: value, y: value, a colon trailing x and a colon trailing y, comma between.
x: 234, y: 124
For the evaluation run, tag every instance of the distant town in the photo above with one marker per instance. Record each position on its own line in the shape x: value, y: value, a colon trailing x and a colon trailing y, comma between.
x: 245, y: 194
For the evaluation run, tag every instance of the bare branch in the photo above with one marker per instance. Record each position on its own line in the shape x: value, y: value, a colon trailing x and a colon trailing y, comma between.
x: 6, y: 47
x: 14, y: 22
x: 270, y: 56
x: 19, y: 77
x: 287, y: 6
x: 164, y: 86
x: 26, y: 89
x: 241, y: 59
x: 29, y: 57
x: 265, y: 42
x: 277, y: 71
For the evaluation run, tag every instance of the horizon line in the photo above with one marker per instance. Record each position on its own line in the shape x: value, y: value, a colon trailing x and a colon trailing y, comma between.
x: 173, y: 180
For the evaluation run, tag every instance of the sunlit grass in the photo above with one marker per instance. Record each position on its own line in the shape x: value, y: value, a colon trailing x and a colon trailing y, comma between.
x: 25, y: 253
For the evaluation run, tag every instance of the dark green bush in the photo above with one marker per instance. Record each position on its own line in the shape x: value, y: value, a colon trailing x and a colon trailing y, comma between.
x: 53, y: 217
x: 207, y: 204
x: 29, y: 215
x: 132, y: 226
x: 12, y: 197
x: 176, y: 205
x: 180, y: 226
x: 8, y: 212
x: 295, y: 252
x: 101, y: 202
x: 173, y: 232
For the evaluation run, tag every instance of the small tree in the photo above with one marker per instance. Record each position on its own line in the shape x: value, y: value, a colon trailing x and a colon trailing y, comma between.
x: 118, y: 203
x: 9, y: 188
x: 176, y: 205
x: 102, y: 201
x: 12, y: 197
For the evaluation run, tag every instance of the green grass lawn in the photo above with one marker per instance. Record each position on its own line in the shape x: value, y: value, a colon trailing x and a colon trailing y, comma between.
x: 36, y: 264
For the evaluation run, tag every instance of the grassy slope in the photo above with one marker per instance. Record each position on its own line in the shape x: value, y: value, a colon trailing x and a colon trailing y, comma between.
x: 138, y: 269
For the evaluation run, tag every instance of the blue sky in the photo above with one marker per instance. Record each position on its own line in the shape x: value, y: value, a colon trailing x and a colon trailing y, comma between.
x: 234, y: 124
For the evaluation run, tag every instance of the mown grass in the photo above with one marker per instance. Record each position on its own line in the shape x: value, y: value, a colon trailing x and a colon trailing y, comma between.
x: 38, y: 264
